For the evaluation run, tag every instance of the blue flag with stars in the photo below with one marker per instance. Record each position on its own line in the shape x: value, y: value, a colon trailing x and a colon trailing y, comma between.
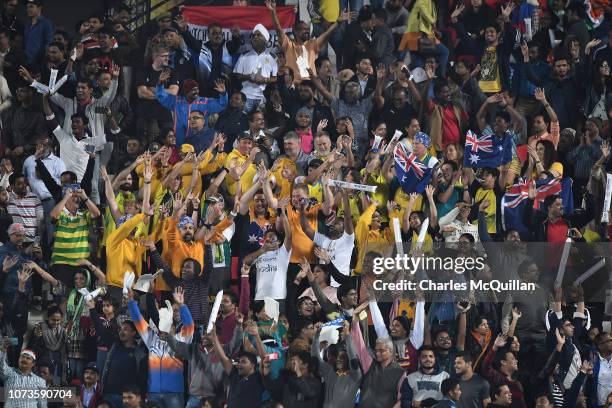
x: 486, y: 150
x: 412, y: 174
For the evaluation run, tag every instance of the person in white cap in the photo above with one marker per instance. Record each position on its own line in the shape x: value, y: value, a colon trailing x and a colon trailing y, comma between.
x: 20, y: 378
x: 256, y: 68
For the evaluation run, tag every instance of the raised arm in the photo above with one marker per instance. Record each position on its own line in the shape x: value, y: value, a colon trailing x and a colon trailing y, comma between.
x: 481, y: 116
x: 225, y: 361
x: 282, y: 38
x: 348, y: 220
x: 110, y: 195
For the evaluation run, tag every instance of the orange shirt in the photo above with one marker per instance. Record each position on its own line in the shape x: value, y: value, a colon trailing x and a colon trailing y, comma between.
x: 300, y: 57
x: 301, y: 245
x: 553, y: 135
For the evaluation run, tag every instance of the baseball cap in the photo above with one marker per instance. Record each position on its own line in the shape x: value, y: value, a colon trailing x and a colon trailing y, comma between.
x: 35, y: 2
x: 245, y: 135
x: 92, y: 366
x: 187, y: 148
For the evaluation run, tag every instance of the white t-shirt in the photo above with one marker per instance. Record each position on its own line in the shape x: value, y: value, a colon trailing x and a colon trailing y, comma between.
x: 272, y: 274
x: 72, y: 151
x: 340, y: 251
x: 251, y: 63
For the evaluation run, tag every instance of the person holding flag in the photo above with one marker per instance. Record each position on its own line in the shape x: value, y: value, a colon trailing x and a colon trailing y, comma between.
x: 504, y: 137
x: 413, y: 169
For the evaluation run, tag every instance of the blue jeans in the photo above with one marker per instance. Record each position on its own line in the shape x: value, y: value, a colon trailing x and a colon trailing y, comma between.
x: 355, y: 5
x: 251, y: 104
x: 115, y: 399
x: 193, y: 402
x: 418, y: 59
x: 167, y: 400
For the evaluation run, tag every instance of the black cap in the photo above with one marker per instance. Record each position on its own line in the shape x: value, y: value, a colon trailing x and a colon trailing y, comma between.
x: 92, y: 366
x: 246, y: 135
x: 365, y: 14
x: 36, y: 2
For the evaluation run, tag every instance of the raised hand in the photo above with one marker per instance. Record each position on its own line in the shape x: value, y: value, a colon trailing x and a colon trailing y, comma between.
x: 219, y: 86
x: 457, y: 12
x: 8, y: 263
x: 525, y: 51
x: 322, y: 254
x: 180, y: 23
x: 605, y: 148
x: 271, y: 5
x: 516, y: 313
x: 381, y: 71
x: 500, y: 341
x: 115, y: 70
x: 179, y: 295
x: 540, y: 95
x: 321, y: 125
x: 560, y: 337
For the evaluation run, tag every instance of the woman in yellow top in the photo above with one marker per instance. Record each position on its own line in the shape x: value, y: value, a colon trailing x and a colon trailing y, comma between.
x: 369, y: 234
x: 422, y: 25
x: 542, y: 159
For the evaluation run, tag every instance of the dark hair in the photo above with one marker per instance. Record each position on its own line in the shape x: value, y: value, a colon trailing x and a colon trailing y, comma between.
x: 252, y: 113
x: 51, y: 310
x: 72, y: 174
x: 131, y: 324
x: 503, y: 115
x: 252, y: 358
x: 550, y: 199
x: 197, y: 268
x: 560, y: 56
x: 466, y: 356
x: 438, y: 85
x: 343, y: 290
x: 544, y: 394
x: 522, y: 268
x: 468, y: 236
x: 13, y: 178
x: 577, y: 8
x: 319, y: 61
x: 57, y: 44
x: 496, y: 389
x: 80, y: 116
x: 380, y: 14
x: 86, y: 82
x: 453, y: 165
x: 242, y: 95
x: 301, y: 323
x: 233, y: 297
x: 306, y: 358
x: 448, y: 385
x: 427, y: 347
x: 479, y: 320
x: 214, y: 24
x: 491, y: 171
x: 131, y: 389
x: 550, y: 154
x: 109, y: 299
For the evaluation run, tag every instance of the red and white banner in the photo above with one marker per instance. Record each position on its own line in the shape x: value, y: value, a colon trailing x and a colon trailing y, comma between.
x: 199, y: 18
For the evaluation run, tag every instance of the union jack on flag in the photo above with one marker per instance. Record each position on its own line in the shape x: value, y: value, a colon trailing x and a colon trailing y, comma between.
x: 476, y: 144
x: 412, y: 174
x: 520, y: 192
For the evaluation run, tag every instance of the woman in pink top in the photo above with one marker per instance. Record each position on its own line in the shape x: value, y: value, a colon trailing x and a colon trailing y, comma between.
x: 303, y: 119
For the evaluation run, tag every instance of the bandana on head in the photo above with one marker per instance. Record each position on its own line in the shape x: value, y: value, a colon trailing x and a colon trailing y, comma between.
x: 29, y: 353
x: 422, y: 138
x: 185, y: 219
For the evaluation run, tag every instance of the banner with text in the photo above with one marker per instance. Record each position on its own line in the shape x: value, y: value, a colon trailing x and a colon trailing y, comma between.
x: 199, y: 18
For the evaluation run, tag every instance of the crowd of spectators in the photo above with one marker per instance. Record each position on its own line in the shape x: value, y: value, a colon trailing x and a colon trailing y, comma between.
x: 197, y: 223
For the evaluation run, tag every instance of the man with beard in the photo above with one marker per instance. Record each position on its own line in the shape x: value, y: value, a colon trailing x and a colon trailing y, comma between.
x: 232, y: 120
x: 254, y: 220
x: 55, y: 166
x: 492, y: 52
x: 406, y: 343
x: 353, y: 106
x: 302, y: 51
x: 306, y: 99
x: 205, y: 369
x: 73, y: 143
x: 341, y: 380
x: 123, y: 251
x: 21, y: 124
x: 126, y: 363
x: 17, y: 379
x: 448, y: 114
x: 500, y: 370
x: 396, y: 111
x: 474, y: 388
x: 183, y: 106
x: 424, y: 383
x: 256, y: 68
x: 340, y: 241
x: 215, y: 61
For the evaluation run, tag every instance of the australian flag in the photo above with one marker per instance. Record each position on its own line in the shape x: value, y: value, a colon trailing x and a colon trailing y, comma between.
x: 412, y: 174
x: 515, y: 199
x: 487, y: 150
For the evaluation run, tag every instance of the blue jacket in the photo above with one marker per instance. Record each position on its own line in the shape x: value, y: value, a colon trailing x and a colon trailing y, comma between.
x: 36, y: 38
x: 9, y: 288
x: 181, y: 109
